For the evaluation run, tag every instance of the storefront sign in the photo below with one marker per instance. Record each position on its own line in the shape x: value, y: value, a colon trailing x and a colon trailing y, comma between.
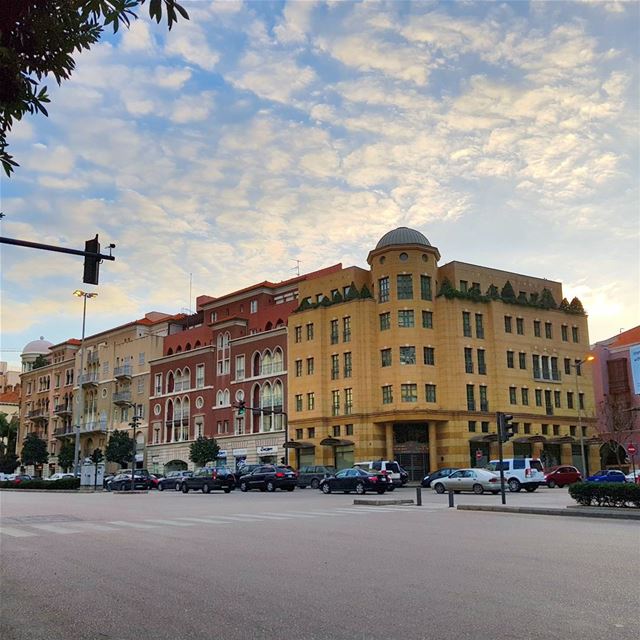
x: 634, y: 357
x: 139, y: 457
x: 267, y: 451
x: 239, y: 453
x: 222, y: 453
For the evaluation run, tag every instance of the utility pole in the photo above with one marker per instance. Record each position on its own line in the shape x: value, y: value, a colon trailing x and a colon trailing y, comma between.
x: 134, y: 425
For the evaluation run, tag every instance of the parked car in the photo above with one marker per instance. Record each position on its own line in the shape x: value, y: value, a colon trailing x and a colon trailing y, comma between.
x: 155, y: 480
x: 630, y: 477
x: 476, y: 480
x: 268, y: 477
x: 245, y: 470
x: 520, y: 473
x: 404, y: 476
x: 357, y: 480
x: 172, y: 480
x: 561, y: 476
x: 440, y: 473
x: 208, y: 479
x: 607, y: 475
x: 122, y: 481
x: 389, y: 467
x: 311, y: 476
x: 20, y: 477
x: 59, y: 476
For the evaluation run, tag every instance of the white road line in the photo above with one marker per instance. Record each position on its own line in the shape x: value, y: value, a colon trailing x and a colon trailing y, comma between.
x: 135, y: 525
x: 16, y: 533
x: 239, y: 518
x: 54, y: 528
x: 322, y: 513
x: 263, y: 516
x: 94, y: 526
x: 211, y: 520
x: 171, y: 523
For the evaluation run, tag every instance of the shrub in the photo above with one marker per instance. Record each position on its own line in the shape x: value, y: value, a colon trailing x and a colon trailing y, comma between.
x: 66, y: 483
x: 606, y: 494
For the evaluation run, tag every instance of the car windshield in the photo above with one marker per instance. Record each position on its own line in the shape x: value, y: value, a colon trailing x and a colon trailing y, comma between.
x: 495, y: 466
x: 536, y: 464
x: 393, y: 467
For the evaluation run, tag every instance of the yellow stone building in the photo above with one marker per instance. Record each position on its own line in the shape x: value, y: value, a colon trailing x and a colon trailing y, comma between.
x: 411, y: 361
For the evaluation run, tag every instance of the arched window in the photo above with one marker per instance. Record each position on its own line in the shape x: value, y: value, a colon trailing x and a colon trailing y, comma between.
x: 186, y: 379
x: 278, y: 395
x: 256, y: 364
x: 169, y: 351
x: 220, y: 398
x: 188, y: 347
x: 227, y: 397
x: 280, y: 323
x: 255, y: 402
x: 170, y: 382
x: 268, y: 326
x: 266, y: 402
x: 267, y: 364
x: 277, y: 360
x: 178, y: 349
x: 197, y: 344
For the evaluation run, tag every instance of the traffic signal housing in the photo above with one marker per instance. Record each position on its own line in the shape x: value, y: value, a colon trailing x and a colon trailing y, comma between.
x: 91, y: 264
x: 240, y: 406
x: 505, y: 427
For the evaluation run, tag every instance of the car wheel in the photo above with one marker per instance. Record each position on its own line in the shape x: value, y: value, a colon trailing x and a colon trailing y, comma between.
x: 227, y: 489
x: 315, y: 483
x: 326, y: 488
x: 160, y: 487
x: 206, y: 488
x: 560, y: 486
x: 381, y: 491
x: 290, y: 488
x: 495, y: 493
x: 391, y: 488
x: 176, y: 486
x: 478, y: 489
x: 360, y: 489
x: 439, y: 488
x: 530, y: 489
x: 456, y: 492
x: 514, y: 485
x: 271, y: 487
x: 244, y: 487
x: 551, y: 484
x: 185, y: 488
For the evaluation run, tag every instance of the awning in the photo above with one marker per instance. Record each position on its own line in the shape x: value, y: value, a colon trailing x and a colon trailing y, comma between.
x: 335, y: 442
x: 561, y: 440
x: 485, y: 437
x: 529, y: 439
x: 293, y: 444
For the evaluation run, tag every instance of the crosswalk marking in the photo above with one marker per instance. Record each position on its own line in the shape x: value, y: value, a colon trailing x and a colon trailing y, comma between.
x: 94, y: 526
x: 16, y: 533
x: 54, y: 528
x: 267, y: 516
x: 239, y: 518
x: 171, y: 523
x: 211, y: 520
x: 135, y: 525
x: 320, y: 513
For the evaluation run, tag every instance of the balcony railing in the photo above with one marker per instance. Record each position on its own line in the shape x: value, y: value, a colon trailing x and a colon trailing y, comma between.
x: 92, y: 357
x: 63, y: 410
x: 62, y: 432
x: 38, y: 413
x: 125, y: 371
x: 122, y: 397
x: 94, y: 426
x: 89, y: 379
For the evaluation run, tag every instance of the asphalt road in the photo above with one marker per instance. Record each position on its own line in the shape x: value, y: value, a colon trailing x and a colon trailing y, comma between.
x: 305, y: 566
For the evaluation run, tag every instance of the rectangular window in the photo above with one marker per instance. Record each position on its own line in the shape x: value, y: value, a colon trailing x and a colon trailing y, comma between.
x: 471, y: 398
x: 569, y: 399
x: 430, y: 392
x: 464, y: 286
x: 484, y: 402
x: 572, y: 430
x: 578, y: 367
x: 385, y: 356
x: 466, y: 324
x: 484, y: 427
x: 520, y: 326
x: 336, y: 431
x: 253, y: 306
x: 524, y: 393
x: 298, y: 368
x: 141, y: 385
x: 471, y: 425
x: 479, y: 326
x: 482, y: 365
x: 347, y: 364
x: 406, y: 318
x: 574, y: 334
x: 219, y: 426
x: 556, y: 399
x: 383, y: 290
x: 567, y: 366
x: 407, y: 355
x: 200, y: 374
x: 299, y: 435
x: 427, y: 320
x: 335, y: 403
x: 522, y: 360
x: 335, y: 367
x: 425, y: 287
x: 311, y: 401
x: 346, y: 329
x: 468, y: 360
x: 385, y: 321
x: 298, y: 334
x: 348, y: 401
x: 387, y: 394
x: 299, y: 402
x: 545, y: 429
x: 157, y: 385
x: 535, y: 359
x: 429, y: 355
x: 404, y: 283
x: 310, y: 331
x: 57, y: 381
x: 581, y: 401
x: 310, y: 366
x: 311, y: 432
x: 512, y: 395
x: 141, y: 358
x: 536, y: 328
x: 527, y: 427
x: 547, y: 402
x: 349, y: 429
x: 548, y: 331
x: 507, y: 324
x: 409, y: 392
x: 564, y: 330
x: 555, y: 374
x: 510, y: 361
x: 335, y: 336
x: 538, y: 397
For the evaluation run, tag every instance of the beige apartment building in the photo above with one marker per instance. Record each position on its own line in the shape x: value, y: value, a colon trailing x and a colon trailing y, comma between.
x: 410, y: 360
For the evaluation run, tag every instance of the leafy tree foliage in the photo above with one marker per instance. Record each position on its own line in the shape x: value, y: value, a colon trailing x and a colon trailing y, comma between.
x: 364, y: 292
x: 8, y: 432
x: 34, y: 450
x: 576, y: 306
x: 66, y: 455
x: 447, y: 290
x: 337, y: 297
x: 352, y: 293
x: 39, y: 362
x: 203, y: 450
x: 547, y: 300
x: 564, y: 305
x: 8, y: 462
x: 492, y: 292
x: 96, y: 456
x: 508, y: 294
x: 40, y: 37
x: 120, y: 448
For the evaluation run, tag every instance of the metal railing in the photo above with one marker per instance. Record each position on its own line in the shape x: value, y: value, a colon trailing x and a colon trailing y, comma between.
x: 121, y: 397
x: 88, y: 379
x: 125, y: 371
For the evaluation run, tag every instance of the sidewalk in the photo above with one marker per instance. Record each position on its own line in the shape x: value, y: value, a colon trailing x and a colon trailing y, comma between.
x: 571, y: 511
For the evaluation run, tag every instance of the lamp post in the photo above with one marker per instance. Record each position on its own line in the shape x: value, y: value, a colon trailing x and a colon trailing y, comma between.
x: 76, y: 456
x: 576, y: 367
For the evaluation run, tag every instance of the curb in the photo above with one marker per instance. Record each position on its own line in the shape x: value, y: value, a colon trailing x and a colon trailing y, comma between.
x: 579, y: 512
x: 128, y: 493
x: 44, y: 490
x: 381, y: 503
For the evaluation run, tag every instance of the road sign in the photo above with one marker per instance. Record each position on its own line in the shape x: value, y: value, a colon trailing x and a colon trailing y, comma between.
x: 479, y: 454
x: 631, y: 450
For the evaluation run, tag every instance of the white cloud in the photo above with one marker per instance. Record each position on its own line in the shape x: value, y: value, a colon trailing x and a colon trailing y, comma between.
x: 190, y: 43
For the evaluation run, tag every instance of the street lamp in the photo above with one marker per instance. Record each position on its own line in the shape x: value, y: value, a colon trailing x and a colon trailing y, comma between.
x: 576, y: 367
x: 76, y: 456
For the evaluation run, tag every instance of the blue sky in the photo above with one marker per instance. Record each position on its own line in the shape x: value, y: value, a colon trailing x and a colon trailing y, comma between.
x: 257, y: 134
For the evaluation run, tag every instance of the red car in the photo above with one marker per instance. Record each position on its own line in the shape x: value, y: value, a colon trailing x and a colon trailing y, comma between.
x: 561, y: 476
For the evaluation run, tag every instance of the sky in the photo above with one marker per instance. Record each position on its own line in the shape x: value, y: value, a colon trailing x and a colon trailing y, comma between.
x: 259, y: 134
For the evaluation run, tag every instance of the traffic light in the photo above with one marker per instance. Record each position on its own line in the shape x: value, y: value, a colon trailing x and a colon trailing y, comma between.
x: 505, y: 426
x: 91, y: 264
x: 240, y: 407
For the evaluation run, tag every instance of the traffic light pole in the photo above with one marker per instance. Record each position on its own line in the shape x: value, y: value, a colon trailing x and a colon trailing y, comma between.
x: 241, y: 407
x: 500, y: 423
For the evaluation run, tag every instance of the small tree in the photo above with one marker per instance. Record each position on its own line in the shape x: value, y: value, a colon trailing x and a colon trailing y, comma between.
x: 364, y: 292
x: 522, y: 298
x: 576, y: 306
x: 447, y: 290
x: 66, y: 455
x: 120, y: 448
x: 352, y: 293
x: 492, y: 292
x: 547, y: 301
x: 8, y: 432
x: 39, y: 362
x: 96, y: 457
x: 564, y: 305
x: 203, y: 450
x: 34, y: 450
x: 8, y: 462
x: 508, y: 294
x: 337, y: 297
x: 616, y: 423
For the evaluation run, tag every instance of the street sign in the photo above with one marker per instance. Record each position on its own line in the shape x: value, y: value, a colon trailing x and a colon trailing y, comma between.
x: 631, y: 450
x: 479, y: 454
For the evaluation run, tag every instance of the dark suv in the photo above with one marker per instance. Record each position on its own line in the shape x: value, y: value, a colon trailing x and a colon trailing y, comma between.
x: 269, y: 477
x: 207, y: 479
x: 311, y: 476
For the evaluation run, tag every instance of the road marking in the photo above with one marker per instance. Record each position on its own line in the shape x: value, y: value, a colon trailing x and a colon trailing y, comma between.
x: 239, y: 518
x: 52, y: 528
x: 171, y: 523
x: 322, y: 513
x: 211, y: 520
x: 16, y: 533
x: 265, y: 516
x: 94, y: 526
x: 135, y: 525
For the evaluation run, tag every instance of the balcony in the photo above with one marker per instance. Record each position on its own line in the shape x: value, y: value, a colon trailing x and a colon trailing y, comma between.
x: 94, y: 426
x: 89, y: 379
x: 122, y: 398
x: 92, y: 357
x: 63, y: 410
x: 123, y: 373
x: 64, y: 432
x: 38, y: 414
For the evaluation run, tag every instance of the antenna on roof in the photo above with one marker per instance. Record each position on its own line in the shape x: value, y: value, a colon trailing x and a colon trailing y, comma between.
x: 297, y: 267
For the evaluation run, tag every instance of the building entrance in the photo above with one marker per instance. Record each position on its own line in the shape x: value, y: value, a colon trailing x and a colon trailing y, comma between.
x: 411, y: 448
x: 415, y: 464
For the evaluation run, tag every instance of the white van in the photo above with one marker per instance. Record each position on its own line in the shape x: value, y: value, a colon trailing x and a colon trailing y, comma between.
x: 390, y: 467
x: 520, y: 473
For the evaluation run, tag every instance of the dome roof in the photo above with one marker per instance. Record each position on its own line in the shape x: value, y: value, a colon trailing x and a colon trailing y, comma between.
x: 402, y: 235
x: 38, y: 346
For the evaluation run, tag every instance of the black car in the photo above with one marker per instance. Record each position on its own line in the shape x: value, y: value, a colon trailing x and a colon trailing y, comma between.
x: 269, y: 477
x: 245, y: 470
x: 122, y: 481
x: 404, y: 476
x: 311, y: 476
x: 440, y: 473
x: 357, y: 480
x: 208, y: 479
x: 173, y: 479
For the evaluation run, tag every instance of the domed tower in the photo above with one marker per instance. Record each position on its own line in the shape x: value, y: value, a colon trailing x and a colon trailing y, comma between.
x: 31, y: 352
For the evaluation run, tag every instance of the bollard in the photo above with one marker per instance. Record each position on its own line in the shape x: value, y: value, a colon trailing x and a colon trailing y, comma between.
x: 418, y: 496
x: 450, y: 499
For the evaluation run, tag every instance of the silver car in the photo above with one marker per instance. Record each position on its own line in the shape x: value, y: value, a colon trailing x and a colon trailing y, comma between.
x: 476, y: 480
